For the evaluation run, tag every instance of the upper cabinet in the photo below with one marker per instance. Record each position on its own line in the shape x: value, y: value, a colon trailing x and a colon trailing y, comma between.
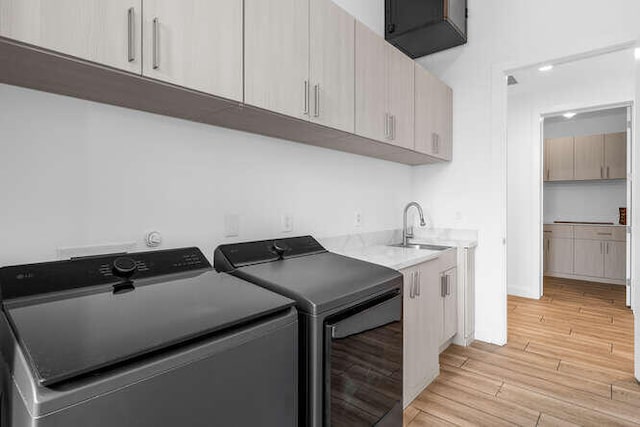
x: 433, y: 115
x: 277, y: 79
x: 384, y: 90
x: 305, y: 60
x: 559, y: 161
x: 592, y: 157
x: 589, y: 157
x: 332, y: 65
x: 196, y: 44
x: 615, y: 155
x: 106, y: 32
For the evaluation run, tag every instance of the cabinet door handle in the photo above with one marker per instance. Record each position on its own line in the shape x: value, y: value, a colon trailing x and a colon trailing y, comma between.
x: 605, y: 234
x: 156, y: 44
x: 393, y: 128
x: 601, y: 249
x: 306, y: 97
x: 386, y: 125
x: 131, y: 35
x: 448, y: 285
x: 434, y: 143
x: 316, y: 103
x: 601, y: 172
x: 607, y: 248
x: 608, y: 176
x: 443, y: 286
x: 418, y: 284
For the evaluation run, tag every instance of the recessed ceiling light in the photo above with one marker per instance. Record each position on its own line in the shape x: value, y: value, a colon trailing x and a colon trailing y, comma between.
x: 545, y: 68
x: 637, y: 53
x: 569, y: 115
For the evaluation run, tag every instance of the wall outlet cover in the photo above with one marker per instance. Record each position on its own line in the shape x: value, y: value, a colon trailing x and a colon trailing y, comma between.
x: 287, y: 223
x: 357, y: 219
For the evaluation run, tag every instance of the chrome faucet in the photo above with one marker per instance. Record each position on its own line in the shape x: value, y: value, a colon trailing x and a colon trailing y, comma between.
x: 408, y: 234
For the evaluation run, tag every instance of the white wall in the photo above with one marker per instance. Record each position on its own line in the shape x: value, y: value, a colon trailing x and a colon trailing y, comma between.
x: 583, y: 201
x: 76, y: 173
x: 369, y: 12
x: 591, y: 82
x: 503, y: 34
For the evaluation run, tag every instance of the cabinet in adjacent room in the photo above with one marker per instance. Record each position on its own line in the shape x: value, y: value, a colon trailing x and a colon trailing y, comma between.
x: 615, y: 155
x: 560, y: 159
x: 589, y: 157
x: 184, y: 49
x: 106, y: 32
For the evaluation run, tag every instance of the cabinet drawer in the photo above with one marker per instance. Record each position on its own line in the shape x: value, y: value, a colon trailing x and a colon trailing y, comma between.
x: 558, y: 231
x: 586, y: 232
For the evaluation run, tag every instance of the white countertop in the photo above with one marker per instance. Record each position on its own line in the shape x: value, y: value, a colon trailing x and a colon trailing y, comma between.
x: 585, y: 225
x: 396, y: 258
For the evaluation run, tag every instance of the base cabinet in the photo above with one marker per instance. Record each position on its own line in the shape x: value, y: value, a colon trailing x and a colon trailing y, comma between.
x: 586, y: 252
x: 429, y: 317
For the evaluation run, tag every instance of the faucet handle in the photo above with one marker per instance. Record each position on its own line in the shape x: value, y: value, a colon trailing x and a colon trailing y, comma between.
x: 409, y: 232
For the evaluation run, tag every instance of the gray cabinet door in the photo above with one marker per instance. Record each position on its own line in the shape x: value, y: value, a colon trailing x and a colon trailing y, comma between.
x: 561, y: 155
x: 615, y: 155
x: 589, y: 157
x: 589, y: 258
x: 560, y: 256
x: 615, y: 260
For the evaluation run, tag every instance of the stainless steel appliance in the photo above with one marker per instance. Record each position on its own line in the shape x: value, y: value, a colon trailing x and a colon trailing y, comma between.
x: 144, y: 339
x: 351, y: 327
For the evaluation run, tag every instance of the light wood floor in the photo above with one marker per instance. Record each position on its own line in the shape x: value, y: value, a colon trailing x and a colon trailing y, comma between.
x: 568, y: 361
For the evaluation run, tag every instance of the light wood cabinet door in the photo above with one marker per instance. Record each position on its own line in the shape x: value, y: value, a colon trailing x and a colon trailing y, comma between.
x: 615, y: 260
x: 332, y: 70
x: 450, y: 305
x: 276, y: 55
x: 413, y: 341
x: 372, y: 114
x: 546, y: 242
x: 401, y: 91
x: 431, y: 318
x: 106, y: 32
x: 561, y: 155
x: 426, y: 114
x: 561, y: 256
x: 433, y: 112
x: 615, y: 155
x: 589, y: 258
x: 589, y: 157
x: 196, y: 44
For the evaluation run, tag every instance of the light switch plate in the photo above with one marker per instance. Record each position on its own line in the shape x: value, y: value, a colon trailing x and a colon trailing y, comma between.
x: 231, y: 225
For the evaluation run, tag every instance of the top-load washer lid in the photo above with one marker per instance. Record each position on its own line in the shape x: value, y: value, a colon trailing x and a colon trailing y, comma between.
x: 81, y: 329
x: 301, y: 269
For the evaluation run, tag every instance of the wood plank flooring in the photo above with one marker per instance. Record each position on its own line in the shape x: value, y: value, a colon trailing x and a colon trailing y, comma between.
x: 568, y: 361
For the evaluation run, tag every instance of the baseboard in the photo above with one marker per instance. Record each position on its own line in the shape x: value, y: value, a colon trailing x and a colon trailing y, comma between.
x: 587, y: 279
x: 517, y: 291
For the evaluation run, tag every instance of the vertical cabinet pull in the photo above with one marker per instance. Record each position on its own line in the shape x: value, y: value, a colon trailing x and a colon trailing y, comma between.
x: 393, y: 128
x: 434, y: 142
x: 316, y: 94
x: 608, y: 176
x: 386, y: 125
x: 418, y: 284
x: 156, y: 44
x: 601, y: 172
x: 306, y: 97
x: 131, y: 35
x: 607, y: 248
x: 443, y: 286
x: 413, y: 282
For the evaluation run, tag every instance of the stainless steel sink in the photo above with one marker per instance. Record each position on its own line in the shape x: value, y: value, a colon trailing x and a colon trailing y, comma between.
x: 421, y: 246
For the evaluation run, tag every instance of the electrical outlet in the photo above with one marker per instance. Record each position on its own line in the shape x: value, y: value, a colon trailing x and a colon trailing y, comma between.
x: 357, y: 219
x: 287, y: 223
x: 231, y: 225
